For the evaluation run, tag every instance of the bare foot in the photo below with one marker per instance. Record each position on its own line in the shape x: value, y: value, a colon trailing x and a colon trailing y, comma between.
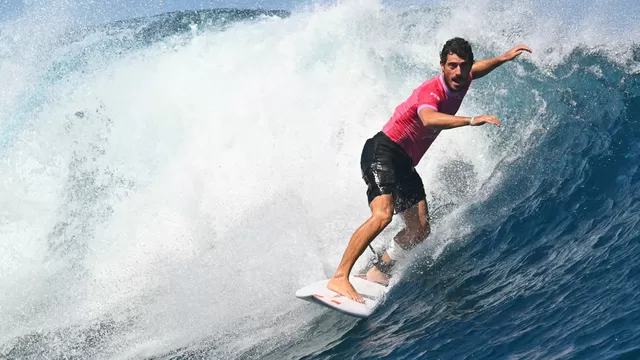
x: 343, y: 287
x: 378, y: 276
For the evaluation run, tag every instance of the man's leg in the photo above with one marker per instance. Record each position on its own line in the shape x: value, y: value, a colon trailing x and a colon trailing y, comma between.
x: 381, y: 215
x: 417, y: 229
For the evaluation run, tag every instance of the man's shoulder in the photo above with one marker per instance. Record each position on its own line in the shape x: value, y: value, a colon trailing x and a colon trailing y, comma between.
x: 431, y: 88
x: 431, y: 84
x: 432, y: 81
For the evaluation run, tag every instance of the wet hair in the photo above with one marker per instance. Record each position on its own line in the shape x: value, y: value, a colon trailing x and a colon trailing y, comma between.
x: 458, y: 46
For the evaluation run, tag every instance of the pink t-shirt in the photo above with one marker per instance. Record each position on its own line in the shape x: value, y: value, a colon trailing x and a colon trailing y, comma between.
x: 405, y: 126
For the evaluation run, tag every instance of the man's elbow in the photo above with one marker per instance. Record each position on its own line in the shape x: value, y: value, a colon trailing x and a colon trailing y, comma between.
x: 427, y: 122
x: 475, y: 75
x: 426, y: 116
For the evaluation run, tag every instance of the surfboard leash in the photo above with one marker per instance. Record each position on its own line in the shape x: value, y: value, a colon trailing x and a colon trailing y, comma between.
x: 371, y: 247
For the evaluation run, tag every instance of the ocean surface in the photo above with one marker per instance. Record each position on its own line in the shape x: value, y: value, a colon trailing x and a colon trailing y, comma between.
x: 167, y: 183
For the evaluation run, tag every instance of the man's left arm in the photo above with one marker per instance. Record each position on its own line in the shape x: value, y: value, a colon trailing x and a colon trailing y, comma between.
x: 483, y: 67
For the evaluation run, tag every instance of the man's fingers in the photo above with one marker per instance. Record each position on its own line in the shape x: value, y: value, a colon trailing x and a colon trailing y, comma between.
x: 516, y: 51
x: 488, y: 119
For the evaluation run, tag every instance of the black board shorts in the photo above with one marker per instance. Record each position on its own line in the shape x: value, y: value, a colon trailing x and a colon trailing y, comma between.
x: 388, y: 169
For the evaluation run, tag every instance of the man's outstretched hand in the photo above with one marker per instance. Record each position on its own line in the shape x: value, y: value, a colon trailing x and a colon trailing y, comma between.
x: 513, y: 53
x: 486, y: 119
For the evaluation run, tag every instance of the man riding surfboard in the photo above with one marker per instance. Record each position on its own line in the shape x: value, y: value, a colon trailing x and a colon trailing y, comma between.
x: 389, y: 158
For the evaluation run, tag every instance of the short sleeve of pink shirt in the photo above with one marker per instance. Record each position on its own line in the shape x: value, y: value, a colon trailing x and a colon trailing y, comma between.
x: 430, y: 96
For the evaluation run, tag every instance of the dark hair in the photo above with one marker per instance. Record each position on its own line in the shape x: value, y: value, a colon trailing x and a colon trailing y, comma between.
x: 458, y: 46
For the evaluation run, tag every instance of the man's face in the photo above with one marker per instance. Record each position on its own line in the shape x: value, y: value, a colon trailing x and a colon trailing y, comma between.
x: 456, y: 72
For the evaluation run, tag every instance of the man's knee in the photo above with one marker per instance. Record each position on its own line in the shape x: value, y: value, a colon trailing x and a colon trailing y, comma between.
x: 382, y: 210
x: 423, y: 232
x: 383, y: 216
x: 417, y: 233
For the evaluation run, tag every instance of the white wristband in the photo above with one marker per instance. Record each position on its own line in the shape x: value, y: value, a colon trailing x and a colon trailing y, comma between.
x: 471, y: 121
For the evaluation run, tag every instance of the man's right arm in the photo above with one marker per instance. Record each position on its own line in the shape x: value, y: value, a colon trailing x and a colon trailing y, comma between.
x: 435, y: 119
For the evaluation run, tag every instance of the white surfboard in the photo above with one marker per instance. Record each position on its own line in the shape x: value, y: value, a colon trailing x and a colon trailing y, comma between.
x: 373, y: 293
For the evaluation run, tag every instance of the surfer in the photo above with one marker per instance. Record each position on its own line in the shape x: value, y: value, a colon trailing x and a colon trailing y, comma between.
x: 389, y: 158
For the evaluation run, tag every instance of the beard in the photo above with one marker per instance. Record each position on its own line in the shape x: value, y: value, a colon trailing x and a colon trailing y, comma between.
x: 457, y: 83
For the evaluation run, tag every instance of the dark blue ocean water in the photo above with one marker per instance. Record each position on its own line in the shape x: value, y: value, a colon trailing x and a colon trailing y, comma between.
x: 544, y: 266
